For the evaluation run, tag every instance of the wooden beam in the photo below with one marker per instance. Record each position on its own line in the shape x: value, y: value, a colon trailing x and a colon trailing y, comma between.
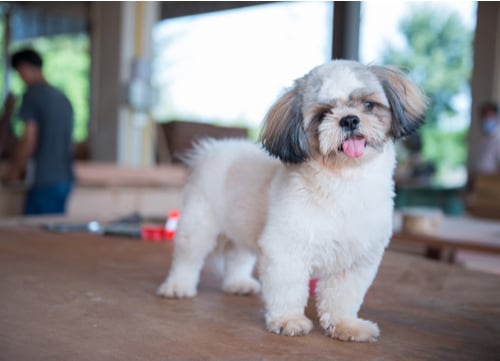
x: 172, y: 9
x: 346, y: 21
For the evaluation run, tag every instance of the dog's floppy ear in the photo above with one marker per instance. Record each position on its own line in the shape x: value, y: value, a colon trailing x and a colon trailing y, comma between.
x: 283, y: 134
x: 408, y: 103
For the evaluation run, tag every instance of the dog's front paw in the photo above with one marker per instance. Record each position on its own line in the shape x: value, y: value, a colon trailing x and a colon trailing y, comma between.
x: 242, y: 287
x: 175, y: 289
x: 355, y: 330
x: 290, y: 326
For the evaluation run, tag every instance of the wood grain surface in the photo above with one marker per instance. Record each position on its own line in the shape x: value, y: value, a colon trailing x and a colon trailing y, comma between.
x: 86, y: 297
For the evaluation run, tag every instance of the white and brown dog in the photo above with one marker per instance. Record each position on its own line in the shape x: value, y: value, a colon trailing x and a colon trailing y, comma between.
x: 324, y: 209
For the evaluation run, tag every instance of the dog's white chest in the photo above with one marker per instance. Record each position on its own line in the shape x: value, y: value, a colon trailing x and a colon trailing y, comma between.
x: 352, y: 223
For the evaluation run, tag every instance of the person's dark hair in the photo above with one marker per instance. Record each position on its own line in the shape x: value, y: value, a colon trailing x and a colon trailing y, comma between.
x: 488, y: 107
x: 29, y: 56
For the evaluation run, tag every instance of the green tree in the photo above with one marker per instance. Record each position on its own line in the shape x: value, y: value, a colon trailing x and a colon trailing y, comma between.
x: 437, y: 52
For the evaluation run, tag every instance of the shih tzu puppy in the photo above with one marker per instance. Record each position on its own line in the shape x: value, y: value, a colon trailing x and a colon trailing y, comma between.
x: 318, y: 203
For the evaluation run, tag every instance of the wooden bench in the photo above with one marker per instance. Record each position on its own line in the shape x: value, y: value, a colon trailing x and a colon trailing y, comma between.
x: 456, y: 233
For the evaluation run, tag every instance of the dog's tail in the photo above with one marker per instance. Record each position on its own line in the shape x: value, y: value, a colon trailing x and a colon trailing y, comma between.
x: 196, y: 154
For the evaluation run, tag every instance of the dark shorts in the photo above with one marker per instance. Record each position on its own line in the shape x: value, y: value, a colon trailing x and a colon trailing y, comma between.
x: 47, y: 199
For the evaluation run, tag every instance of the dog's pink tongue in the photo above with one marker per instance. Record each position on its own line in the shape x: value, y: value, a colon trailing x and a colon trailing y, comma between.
x: 354, y: 147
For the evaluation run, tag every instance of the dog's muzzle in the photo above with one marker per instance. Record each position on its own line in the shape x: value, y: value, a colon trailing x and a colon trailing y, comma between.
x: 354, y: 145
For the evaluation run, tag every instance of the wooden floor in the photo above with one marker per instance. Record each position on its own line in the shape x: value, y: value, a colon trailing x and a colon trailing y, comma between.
x: 87, y: 297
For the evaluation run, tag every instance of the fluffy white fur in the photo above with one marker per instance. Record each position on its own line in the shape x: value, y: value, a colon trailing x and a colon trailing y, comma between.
x: 316, y: 211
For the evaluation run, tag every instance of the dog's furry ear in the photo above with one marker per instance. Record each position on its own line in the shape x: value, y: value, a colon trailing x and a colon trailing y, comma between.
x: 408, y: 103
x: 283, y: 134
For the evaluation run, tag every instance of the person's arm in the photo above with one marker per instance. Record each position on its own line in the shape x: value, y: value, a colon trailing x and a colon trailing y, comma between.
x: 24, y: 151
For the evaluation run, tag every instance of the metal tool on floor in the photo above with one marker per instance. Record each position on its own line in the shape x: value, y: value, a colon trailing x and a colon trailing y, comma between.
x: 130, y: 226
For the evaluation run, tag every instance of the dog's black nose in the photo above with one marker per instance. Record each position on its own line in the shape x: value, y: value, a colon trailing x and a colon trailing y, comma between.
x: 349, y: 122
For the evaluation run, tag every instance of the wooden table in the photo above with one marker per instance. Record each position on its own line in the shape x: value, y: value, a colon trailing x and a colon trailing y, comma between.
x: 456, y: 233
x: 86, y: 297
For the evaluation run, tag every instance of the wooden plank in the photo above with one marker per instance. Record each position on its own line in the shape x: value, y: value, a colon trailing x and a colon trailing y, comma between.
x: 463, y: 233
x: 98, y: 174
x: 86, y: 297
x: 484, y: 201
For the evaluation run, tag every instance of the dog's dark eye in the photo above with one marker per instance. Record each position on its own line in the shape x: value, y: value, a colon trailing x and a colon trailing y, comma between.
x: 321, y: 116
x: 369, y: 106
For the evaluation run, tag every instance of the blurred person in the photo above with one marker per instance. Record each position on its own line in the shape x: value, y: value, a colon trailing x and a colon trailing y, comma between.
x: 488, y: 156
x: 47, y: 141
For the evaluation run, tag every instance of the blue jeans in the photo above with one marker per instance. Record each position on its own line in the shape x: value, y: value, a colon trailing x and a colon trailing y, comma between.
x: 50, y: 199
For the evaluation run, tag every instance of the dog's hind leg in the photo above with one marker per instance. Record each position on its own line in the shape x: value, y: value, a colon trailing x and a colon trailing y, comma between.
x: 239, y: 263
x: 196, y: 237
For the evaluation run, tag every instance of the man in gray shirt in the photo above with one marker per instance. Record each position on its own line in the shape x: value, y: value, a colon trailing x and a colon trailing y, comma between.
x: 47, y: 139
